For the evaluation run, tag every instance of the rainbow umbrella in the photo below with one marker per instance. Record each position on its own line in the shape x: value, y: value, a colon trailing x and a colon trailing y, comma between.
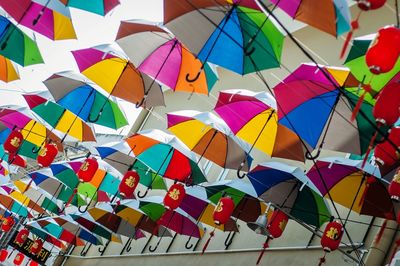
x: 164, y: 58
x: 360, y: 189
x: 51, y: 20
x: 8, y: 72
x: 332, y: 17
x: 60, y: 118
x: 16, y: 45
x: 100, y: 7
x: 210, y: 137
x: 236, y: 37
x: 118, y: 76
x: 84, y: 101
x: 259, y: 125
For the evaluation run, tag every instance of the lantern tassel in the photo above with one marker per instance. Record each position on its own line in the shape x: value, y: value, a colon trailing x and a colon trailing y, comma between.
x: 370, y: 146
x: 357, y: 107
x: 265, y: 246
x: 322, y: 260
x: 208, y: 241
x: 354, y: 26
x: 380, y: 233
x: 71, y: 198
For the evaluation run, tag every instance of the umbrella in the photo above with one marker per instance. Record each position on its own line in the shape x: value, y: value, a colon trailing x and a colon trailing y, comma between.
x: 237, y: 37
x: 60, y: 118
x: 164, y: 58
x: 355, y: 60
x: 84, y: 101
x: 16, y: 45
x: 46, y: 237
x: 51, y: 20
x: 210, y: 137
x: 283, y: 185
x: 317, y: 103
x: 8, y: 71
x: 100, y: 7
x: 259, y: 124
x: 8, y: 192
x: 124, y: 81
x: 13, y: 206
x: 360, y: 189
x: 332, y: 17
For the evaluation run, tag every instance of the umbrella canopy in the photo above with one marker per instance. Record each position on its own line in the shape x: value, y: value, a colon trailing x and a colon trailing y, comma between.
x: 236, y: 37
x: 60, y: 118
x: 46, y: 236
x: 118, y: 76
x: 11, y: 205
x: 13, y: 193
x: 332, y: 17
x: 210, y: 137
x: 51, y: 20
x: 16, y: 45
x: 8, y: 72
x: 100, y: 7
x: 357, y: 188
x: 259, y: 124
x: 84, y: 101
x: 355, y: 60
x: 283, y: 185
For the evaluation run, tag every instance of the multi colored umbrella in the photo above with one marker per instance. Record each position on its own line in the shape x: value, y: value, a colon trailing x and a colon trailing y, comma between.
x: 60, y: 118
x: 210, y: 137
x: 118, y: 76
x: 259, y: 124
x: 8, y: 192
x: 51, y: 20
x: 84, y: 101
x: 16, y: 45
x: 13, y: 206
x: 332, y: 17
x: 8, y: 71
x: 284, y: 186
x: 236, y: 37
x: 100, y: 7
x: 344, y: 181
x: 46, y: 237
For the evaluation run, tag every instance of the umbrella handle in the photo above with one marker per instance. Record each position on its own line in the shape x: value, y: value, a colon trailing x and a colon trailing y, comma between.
x: 151, y: 249
x: 97, y: 117
x: 144, y: 195
x: 310, y: 157
x: 238, y: 171
x: 187, y: 246
x: 139, y: 104
x: 103, y: 249
x: 129, y: 247
x: 189, y: 79
x: 229, y: 239
x: 85, y: 250
x: 36, y: 149
x: 84, y: 210
x: 248, y: 51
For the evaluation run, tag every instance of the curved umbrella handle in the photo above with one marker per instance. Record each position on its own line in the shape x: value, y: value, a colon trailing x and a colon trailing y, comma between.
x: 103, y: 249
x: 229, y: 239
x: 36, y: 149
x: 129, y: 247
x: 144, y: 195
x: 310, y: 157
x: 189, y: 245
x: 240, y: 176
x: 248, y: 51
x: 151, y: 249
x: 189, y: 79
x: 97, y: 117
x: 85, y: 250
x: 139, y: 104
x: 84, y: 210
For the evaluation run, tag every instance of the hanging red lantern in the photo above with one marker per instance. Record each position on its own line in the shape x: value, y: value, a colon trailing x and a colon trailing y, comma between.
x: 394, y: 187
x: 385, y: 153
x: 387, y: 107
x: 13, y: 141
x: 19, y: 258
x: 47, y: 154
x: 384, y: 50
x: 128, y: 184
x: 36, y: 246
x: 88, y: 169
x: 277, y: 223
x: 7, y: 224
x: 223, y: 210
x: 174, y: 196
x: 33, y: 263
x: 370, y: 4
x: 21, y: 237
x: 332, y: 235
x: 3, y: 255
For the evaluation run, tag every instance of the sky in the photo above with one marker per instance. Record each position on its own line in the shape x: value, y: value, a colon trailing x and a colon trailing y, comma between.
x: 91, y: 30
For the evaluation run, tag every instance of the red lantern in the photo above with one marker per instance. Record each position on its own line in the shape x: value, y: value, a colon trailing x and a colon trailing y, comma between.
x: 13, y: 141
x: 21, y: 237
x: 47, y: 154
x: 384, y: 51
x: 370, y: 4
x: 174, y: 196
x: 128, y: 184
x: 7, y: 224
x: 36, y: 246
x: 277, y: 223
x: 88, y: 169
x: 19, y: 259
x: 3, y: 255
x: 394, y: 187
x: 223, y: 210
x: 330, y: 240
x: 385, y: 153
x: 33, y: 263
x: 387, y: 107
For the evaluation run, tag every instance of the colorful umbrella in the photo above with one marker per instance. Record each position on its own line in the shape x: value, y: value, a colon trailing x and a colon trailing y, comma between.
x: 60, y: 118
x: 259, y: 124
x: 13, y: 206
x: 332, y: 17
x: 360, y: 189
x: 84, y: 101
x: 46, y: 237
x: 313, y: 103
x: 8, y: 192
x: 16, y: 45
x: 118, y: 76
x: 100, y: 7
x: 210, y: 137
x: 51, y: 20
x: 8, y: 72
x: 236, y: 37
x: 283, y: 185
x: 356, y: 62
